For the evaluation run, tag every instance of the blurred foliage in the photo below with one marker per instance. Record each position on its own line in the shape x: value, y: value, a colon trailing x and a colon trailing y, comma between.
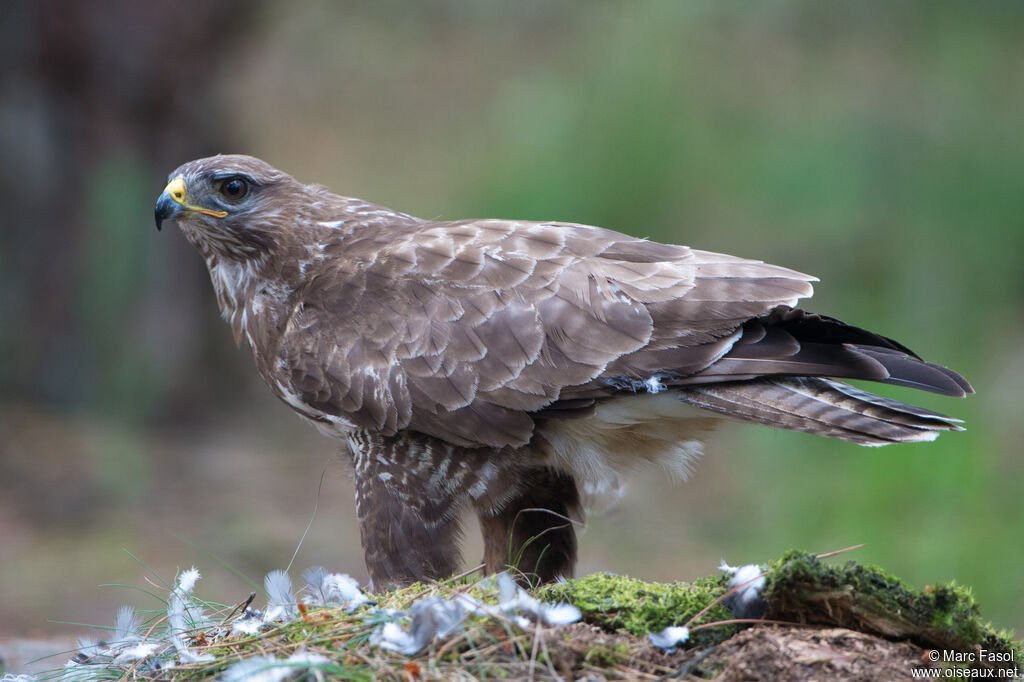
x: 874, y: 144
x: 113, y: 263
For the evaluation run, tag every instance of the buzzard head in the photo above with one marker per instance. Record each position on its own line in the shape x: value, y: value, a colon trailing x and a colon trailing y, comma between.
x: 231, y: 206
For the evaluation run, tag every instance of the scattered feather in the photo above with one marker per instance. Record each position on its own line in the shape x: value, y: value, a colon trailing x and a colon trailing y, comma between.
x: 561, y: 614
x: 79, y: 672
x: 188, y: 656
x: 470, y: 604
x: 513, y: 599
x: 248, y: 624
x: 272, y: 669
x: 507, y: 589
x: 429, y: 619
x: 280, y: 603
x: 669, y: 638
x: 187, y: 580
x: 436, y: 617
x: 88, y: 647
x: 432, y: 618
x: 315, y: 577
x: 392, y: 637
x: 136, y: 652
x: 184, y: 616
x: 125, y: 626
x: 745, y: 602
x: 255, y: 669
x: 333, y: 589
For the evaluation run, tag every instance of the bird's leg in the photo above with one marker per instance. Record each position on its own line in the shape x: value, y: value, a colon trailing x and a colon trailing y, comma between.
x: 408, y: 516
x: 533, y: 532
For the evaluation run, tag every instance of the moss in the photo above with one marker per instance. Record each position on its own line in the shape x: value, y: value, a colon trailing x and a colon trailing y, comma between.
x: 799, y: 588
x: 403, y: 597
x: 607, y: 655
x: 618, y: 613
x: 802, y: 588
x: 617, y: 603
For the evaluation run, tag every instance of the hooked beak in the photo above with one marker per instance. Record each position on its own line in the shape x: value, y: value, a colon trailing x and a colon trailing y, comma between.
x: 172, y: 204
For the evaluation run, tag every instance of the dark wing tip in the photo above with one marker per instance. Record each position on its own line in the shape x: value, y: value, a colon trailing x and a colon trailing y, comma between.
x: 905, y: 370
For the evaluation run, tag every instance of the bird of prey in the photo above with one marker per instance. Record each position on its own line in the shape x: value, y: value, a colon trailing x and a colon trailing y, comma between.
x: 523, y: 368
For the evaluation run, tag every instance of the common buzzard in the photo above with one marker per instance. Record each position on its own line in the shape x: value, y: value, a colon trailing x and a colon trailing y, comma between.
x: 522, y: 367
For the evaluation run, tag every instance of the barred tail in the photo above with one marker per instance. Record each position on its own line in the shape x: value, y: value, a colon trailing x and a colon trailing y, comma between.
x: 822, y: 406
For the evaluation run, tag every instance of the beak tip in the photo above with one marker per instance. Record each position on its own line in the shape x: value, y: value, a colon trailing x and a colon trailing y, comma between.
x: 165, y: 209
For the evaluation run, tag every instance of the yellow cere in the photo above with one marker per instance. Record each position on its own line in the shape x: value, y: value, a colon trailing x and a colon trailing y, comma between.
x: 176, y: 189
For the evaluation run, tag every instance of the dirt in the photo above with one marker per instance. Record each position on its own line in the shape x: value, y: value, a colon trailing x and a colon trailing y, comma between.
x: 794, y: 653
x: 764, y: 652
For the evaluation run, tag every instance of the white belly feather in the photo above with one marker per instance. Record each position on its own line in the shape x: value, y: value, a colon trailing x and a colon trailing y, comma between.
x: 624, y: 435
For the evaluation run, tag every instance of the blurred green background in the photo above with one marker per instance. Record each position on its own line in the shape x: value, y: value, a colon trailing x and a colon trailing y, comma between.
x: 878, y: 145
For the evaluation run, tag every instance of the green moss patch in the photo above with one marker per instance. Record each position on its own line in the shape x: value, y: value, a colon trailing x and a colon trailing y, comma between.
x: 802, y: 588
x: 615, y: 603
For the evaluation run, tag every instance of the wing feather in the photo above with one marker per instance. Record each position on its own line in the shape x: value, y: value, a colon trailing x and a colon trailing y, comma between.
x: 460, y: 330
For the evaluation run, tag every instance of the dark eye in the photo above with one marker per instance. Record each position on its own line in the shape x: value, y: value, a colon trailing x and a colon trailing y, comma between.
x: 234, y: 188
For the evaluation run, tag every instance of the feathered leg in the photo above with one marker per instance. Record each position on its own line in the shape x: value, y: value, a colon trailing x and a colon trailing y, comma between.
x: 533, y: 532
x: 408, y: 515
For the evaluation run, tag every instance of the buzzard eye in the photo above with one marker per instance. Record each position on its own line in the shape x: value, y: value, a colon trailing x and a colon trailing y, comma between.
x: 234, y: 188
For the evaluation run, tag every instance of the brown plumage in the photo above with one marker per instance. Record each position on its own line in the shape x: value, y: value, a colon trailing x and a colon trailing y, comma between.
x: 517, y: 365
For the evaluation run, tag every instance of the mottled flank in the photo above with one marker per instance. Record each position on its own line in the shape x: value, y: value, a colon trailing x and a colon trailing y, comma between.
x: 517, y: 365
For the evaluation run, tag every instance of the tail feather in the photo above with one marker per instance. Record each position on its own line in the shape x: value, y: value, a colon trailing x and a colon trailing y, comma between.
x: 793, y: 342
x: 821, y: 406
x: 909, y: 371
